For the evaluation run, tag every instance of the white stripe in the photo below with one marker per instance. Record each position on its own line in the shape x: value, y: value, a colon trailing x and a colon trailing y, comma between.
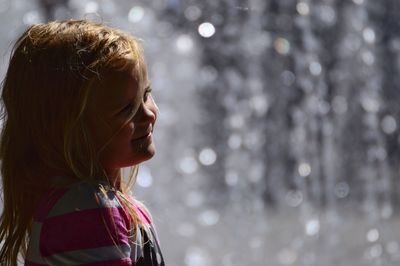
x: 83, y: 196
x: 136, y: 245
x: 84, y: 256
x: 33, y: 253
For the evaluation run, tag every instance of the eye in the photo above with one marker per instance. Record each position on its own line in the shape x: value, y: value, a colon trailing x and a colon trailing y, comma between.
x: 146, y: 93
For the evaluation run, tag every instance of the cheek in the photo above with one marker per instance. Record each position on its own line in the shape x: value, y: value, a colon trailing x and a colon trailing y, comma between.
x: 120, y: 143
x: 127, y: 131
x: 122, y: 138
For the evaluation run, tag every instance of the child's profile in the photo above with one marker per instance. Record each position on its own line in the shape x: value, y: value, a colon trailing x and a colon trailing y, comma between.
x: 76, y: 109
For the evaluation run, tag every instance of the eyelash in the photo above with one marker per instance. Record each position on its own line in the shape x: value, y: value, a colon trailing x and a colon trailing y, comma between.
x: 148, y: 91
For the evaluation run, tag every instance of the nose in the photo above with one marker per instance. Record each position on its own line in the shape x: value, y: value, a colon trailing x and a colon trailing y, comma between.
x: 147, y: 113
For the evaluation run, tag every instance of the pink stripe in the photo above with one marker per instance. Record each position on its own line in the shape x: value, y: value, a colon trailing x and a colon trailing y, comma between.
x: 142, y: 213
x: 83, y: 229
x: 46, y: 203
x: 30, y: 263
x: 119, y: 262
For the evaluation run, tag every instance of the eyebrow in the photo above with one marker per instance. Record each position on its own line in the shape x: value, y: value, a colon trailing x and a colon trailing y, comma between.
x: 148, y: 86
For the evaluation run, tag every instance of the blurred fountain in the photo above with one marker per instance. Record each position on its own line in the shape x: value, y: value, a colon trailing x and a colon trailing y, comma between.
x: 277, y: 135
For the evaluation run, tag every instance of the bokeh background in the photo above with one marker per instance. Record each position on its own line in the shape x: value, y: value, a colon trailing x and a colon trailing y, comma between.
x: 277, y: 137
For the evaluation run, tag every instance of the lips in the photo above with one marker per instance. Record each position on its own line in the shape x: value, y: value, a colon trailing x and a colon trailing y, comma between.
x: 147, y: 132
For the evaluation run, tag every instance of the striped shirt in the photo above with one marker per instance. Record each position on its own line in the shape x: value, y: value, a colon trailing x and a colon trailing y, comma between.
x: 83, y: 225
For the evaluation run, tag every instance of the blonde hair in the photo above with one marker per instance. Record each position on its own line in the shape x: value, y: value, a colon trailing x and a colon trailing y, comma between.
x: 52, y: 70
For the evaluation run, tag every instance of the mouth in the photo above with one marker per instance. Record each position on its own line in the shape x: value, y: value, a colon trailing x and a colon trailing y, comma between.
x: 148, y: 133
x: 143, y: 137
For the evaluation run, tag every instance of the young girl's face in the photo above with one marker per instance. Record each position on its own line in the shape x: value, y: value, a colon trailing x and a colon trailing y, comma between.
x: 110, y: 109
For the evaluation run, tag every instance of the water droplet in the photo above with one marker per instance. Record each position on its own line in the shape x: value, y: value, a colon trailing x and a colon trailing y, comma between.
x: 312, y: 227
x: 108, y: 7
x: 368, y: 57
x: 256, y: 45
x: 373, y: 235
x: 164, y: 29
x: 323, y: 107
x: 303, y: 8
x: 389, y: 124
x: 234, y: 141
x: 194, y: 198
x: 288, y: 77
x: 342, y: 190
x: 358, y: 2
x: 32, y: 17
x: 184, y: 43
x: 339, y: 104
x: 369, y: 35
x: 259, y: 104
x: 208, y: 73
x: 91, y: 7
x: 253, y: 139
x: 236, y: 121
x: 192, y: 13
x: 255, y: 242
x: 294, y: 198
x: 315, y: 68
x: 188, y: 165
x: 207, y: 156
x: 186, y: 229
x: 231, y: 178
x: 374, y: 252
x: 144, y: 178
x: 376, y: 153
x: 393, y: 247
x: 136, y: 14
x: 256, y: 172
x: 206, y: 30
x: 282, y: 46
x: 208, y: 218
x: 196, y: 256
x: 387, y: 211
x: 327, y: 14
x: 287, y: 256
x: 304, y: 169
x: 351, y: 43
x: 370, y: 103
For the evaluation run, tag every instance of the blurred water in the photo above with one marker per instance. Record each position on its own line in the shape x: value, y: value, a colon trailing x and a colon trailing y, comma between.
x: 277, y: 136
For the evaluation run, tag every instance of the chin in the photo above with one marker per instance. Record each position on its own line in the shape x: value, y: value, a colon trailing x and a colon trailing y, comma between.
x: 145, y: 155
x: 148, y: 156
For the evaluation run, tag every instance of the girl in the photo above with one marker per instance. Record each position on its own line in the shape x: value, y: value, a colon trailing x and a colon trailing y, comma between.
x: 76, y: 109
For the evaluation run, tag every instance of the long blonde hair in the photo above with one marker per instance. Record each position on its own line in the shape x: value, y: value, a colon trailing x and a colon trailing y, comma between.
x: 52, y: 70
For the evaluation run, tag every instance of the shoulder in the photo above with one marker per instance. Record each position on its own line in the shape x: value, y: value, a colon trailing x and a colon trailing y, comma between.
x: 143, y: 212
x: 83, y: 217
x: 76, y: 198
x: 148, y: 221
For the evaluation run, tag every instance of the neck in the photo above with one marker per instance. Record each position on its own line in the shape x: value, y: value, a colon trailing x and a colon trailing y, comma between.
x: 114, y: 176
